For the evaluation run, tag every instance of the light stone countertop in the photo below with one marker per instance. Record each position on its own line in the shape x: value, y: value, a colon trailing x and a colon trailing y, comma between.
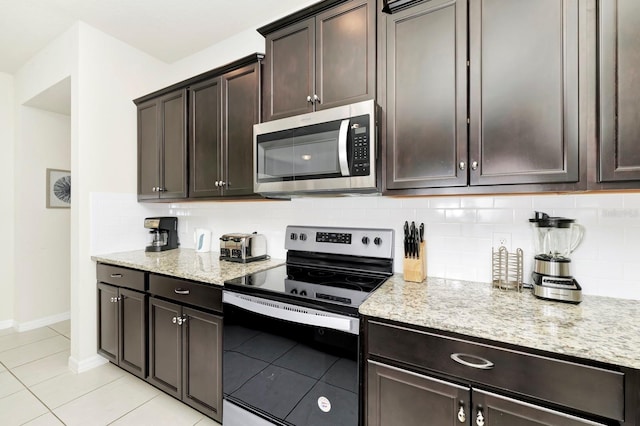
x: 600, y: 328
x: 187, y: 263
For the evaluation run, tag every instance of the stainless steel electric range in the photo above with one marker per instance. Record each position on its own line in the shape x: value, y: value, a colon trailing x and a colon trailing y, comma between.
x: 291, y: 346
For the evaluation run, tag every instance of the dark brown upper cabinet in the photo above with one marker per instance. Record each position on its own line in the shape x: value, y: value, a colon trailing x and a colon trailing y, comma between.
x: 162, y: 147
x: 321, y: 57
x: 426, y: 89
x: 619, y: 89
x: 500, y: 116
x: 524, y: 91
x: 223, y: 111
x: 195, y: 138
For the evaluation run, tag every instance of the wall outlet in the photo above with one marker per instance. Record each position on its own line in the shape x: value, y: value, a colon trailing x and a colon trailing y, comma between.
x: 501, y: 239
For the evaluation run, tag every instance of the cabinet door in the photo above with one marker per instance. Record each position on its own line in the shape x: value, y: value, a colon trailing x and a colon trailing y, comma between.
x: 148, y: 151
x: 289, y: 65
x: 165, y: 347
x: 205, y: 138
x: 524, y: 125
x: 497, y: 410
x: 173, y: 119
x: 202, y: 362
x: 619, y: 31
x: 400, y: 397
x: 108, y: 322
x: 345, y: 54
x: 426, y: 89
x: 133, y: 332
x: 242, y: 112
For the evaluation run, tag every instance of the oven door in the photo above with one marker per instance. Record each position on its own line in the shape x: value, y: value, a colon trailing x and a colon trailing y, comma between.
x: 287, y: 364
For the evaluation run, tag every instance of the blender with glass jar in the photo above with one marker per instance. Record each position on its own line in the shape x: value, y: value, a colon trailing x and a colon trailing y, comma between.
x: 555, y: 238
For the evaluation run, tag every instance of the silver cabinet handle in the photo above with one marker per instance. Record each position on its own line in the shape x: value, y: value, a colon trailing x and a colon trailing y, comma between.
x: 217, y: 183
x: 182, y: 320
x: 222, y: 183
x: 154, y: 189
x: 113, y: 299
x: 474, y: 165
x: 462, y: 165
x: 116, y: 275
x: 461, y: 415
x: 482, y: 364
x: 309, y: 99
x: 316, y: 98
x: 181, y: 291
x: 174, y: 320
x: 480, y: 417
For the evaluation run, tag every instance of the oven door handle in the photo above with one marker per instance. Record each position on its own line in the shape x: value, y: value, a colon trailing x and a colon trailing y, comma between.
x: 342, y: 147
x: 292, y: 313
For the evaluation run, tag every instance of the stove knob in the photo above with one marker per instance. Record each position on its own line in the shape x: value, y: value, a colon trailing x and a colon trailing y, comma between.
x: 294, y: 291
x: 303, y: 293
x: 377, y: 241
x: 365, y: 240
x: 293, y: 236
x: 303, y: 237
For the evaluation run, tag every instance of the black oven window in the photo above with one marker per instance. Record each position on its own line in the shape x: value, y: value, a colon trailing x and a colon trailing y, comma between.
x: 294, y: 373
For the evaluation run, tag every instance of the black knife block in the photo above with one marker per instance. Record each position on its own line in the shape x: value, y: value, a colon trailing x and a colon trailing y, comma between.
x: 415, y: 269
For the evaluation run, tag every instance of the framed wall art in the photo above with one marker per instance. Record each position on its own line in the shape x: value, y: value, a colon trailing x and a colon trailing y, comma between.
x: 58, y: 189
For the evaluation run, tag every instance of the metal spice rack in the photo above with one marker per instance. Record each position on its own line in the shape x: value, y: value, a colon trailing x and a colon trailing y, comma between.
x: 507, y: 269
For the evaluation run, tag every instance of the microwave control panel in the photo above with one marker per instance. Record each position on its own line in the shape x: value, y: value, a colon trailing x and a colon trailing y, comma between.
x: 360, y: 146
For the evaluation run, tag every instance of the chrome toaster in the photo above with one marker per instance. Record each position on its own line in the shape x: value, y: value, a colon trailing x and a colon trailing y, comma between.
x: 243, y: 248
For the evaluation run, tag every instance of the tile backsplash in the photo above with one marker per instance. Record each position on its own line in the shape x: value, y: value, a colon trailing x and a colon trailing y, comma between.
x: 460, y: 231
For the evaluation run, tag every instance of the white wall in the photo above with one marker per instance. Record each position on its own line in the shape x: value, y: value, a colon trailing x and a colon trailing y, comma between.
x: 459, y: 230
x: 7, y: 145
x: 42, y: 241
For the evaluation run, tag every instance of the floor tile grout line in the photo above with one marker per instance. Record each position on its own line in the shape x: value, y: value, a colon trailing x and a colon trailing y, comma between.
x: 28, y: 389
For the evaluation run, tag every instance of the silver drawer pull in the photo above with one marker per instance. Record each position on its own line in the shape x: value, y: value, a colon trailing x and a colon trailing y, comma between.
x: 180, y: 291
x: 482, y: 364
x: 116, y: 275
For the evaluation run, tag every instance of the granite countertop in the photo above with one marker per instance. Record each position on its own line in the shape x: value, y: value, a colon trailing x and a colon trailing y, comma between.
x: 187, y: 263
x: 600, y: 328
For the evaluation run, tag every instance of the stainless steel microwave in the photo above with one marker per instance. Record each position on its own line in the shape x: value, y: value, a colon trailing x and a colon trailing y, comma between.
x: 327, y: 151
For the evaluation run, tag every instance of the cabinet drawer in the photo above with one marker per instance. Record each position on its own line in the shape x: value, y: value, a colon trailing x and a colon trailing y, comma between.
x: 186, y: 292
x: 588, y: 389
x: 121, y: 277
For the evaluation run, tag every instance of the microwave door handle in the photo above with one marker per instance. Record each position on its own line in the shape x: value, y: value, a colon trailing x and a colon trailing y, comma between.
x: 342, y: 147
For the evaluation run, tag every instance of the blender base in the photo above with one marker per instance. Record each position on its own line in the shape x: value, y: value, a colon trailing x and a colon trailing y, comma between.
x: 562, y: 289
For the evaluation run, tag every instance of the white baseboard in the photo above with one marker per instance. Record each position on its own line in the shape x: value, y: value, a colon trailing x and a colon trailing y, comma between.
x: 86, y: 364
x: 42, y: 322
x: 7, y: 324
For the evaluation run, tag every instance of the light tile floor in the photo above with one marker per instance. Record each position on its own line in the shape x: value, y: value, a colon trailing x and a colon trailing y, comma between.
x: 38, y: 389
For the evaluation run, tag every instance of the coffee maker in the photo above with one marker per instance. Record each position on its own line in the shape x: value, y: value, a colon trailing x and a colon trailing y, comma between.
x: 555, y: 239
x: 163, y: 233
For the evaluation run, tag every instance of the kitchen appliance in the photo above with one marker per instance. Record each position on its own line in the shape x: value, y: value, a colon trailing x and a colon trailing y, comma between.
x: 243, y: 248
x: 163, y: 233
x: 291, y: 340
x: 555, y: 238
x: 327, y: 151
x: 202, y: 240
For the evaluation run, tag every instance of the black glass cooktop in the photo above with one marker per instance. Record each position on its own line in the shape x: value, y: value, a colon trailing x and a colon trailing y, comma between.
x: 312, y: 286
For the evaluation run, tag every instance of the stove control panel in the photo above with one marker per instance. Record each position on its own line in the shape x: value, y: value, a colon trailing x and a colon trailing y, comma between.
x: 370, y: 242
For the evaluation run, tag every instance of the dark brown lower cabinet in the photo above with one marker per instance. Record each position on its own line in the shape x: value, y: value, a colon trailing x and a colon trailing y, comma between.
x: 185, y: 355
x: 416, y: 376
x: 401, y: 397
x: 122, y: 324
